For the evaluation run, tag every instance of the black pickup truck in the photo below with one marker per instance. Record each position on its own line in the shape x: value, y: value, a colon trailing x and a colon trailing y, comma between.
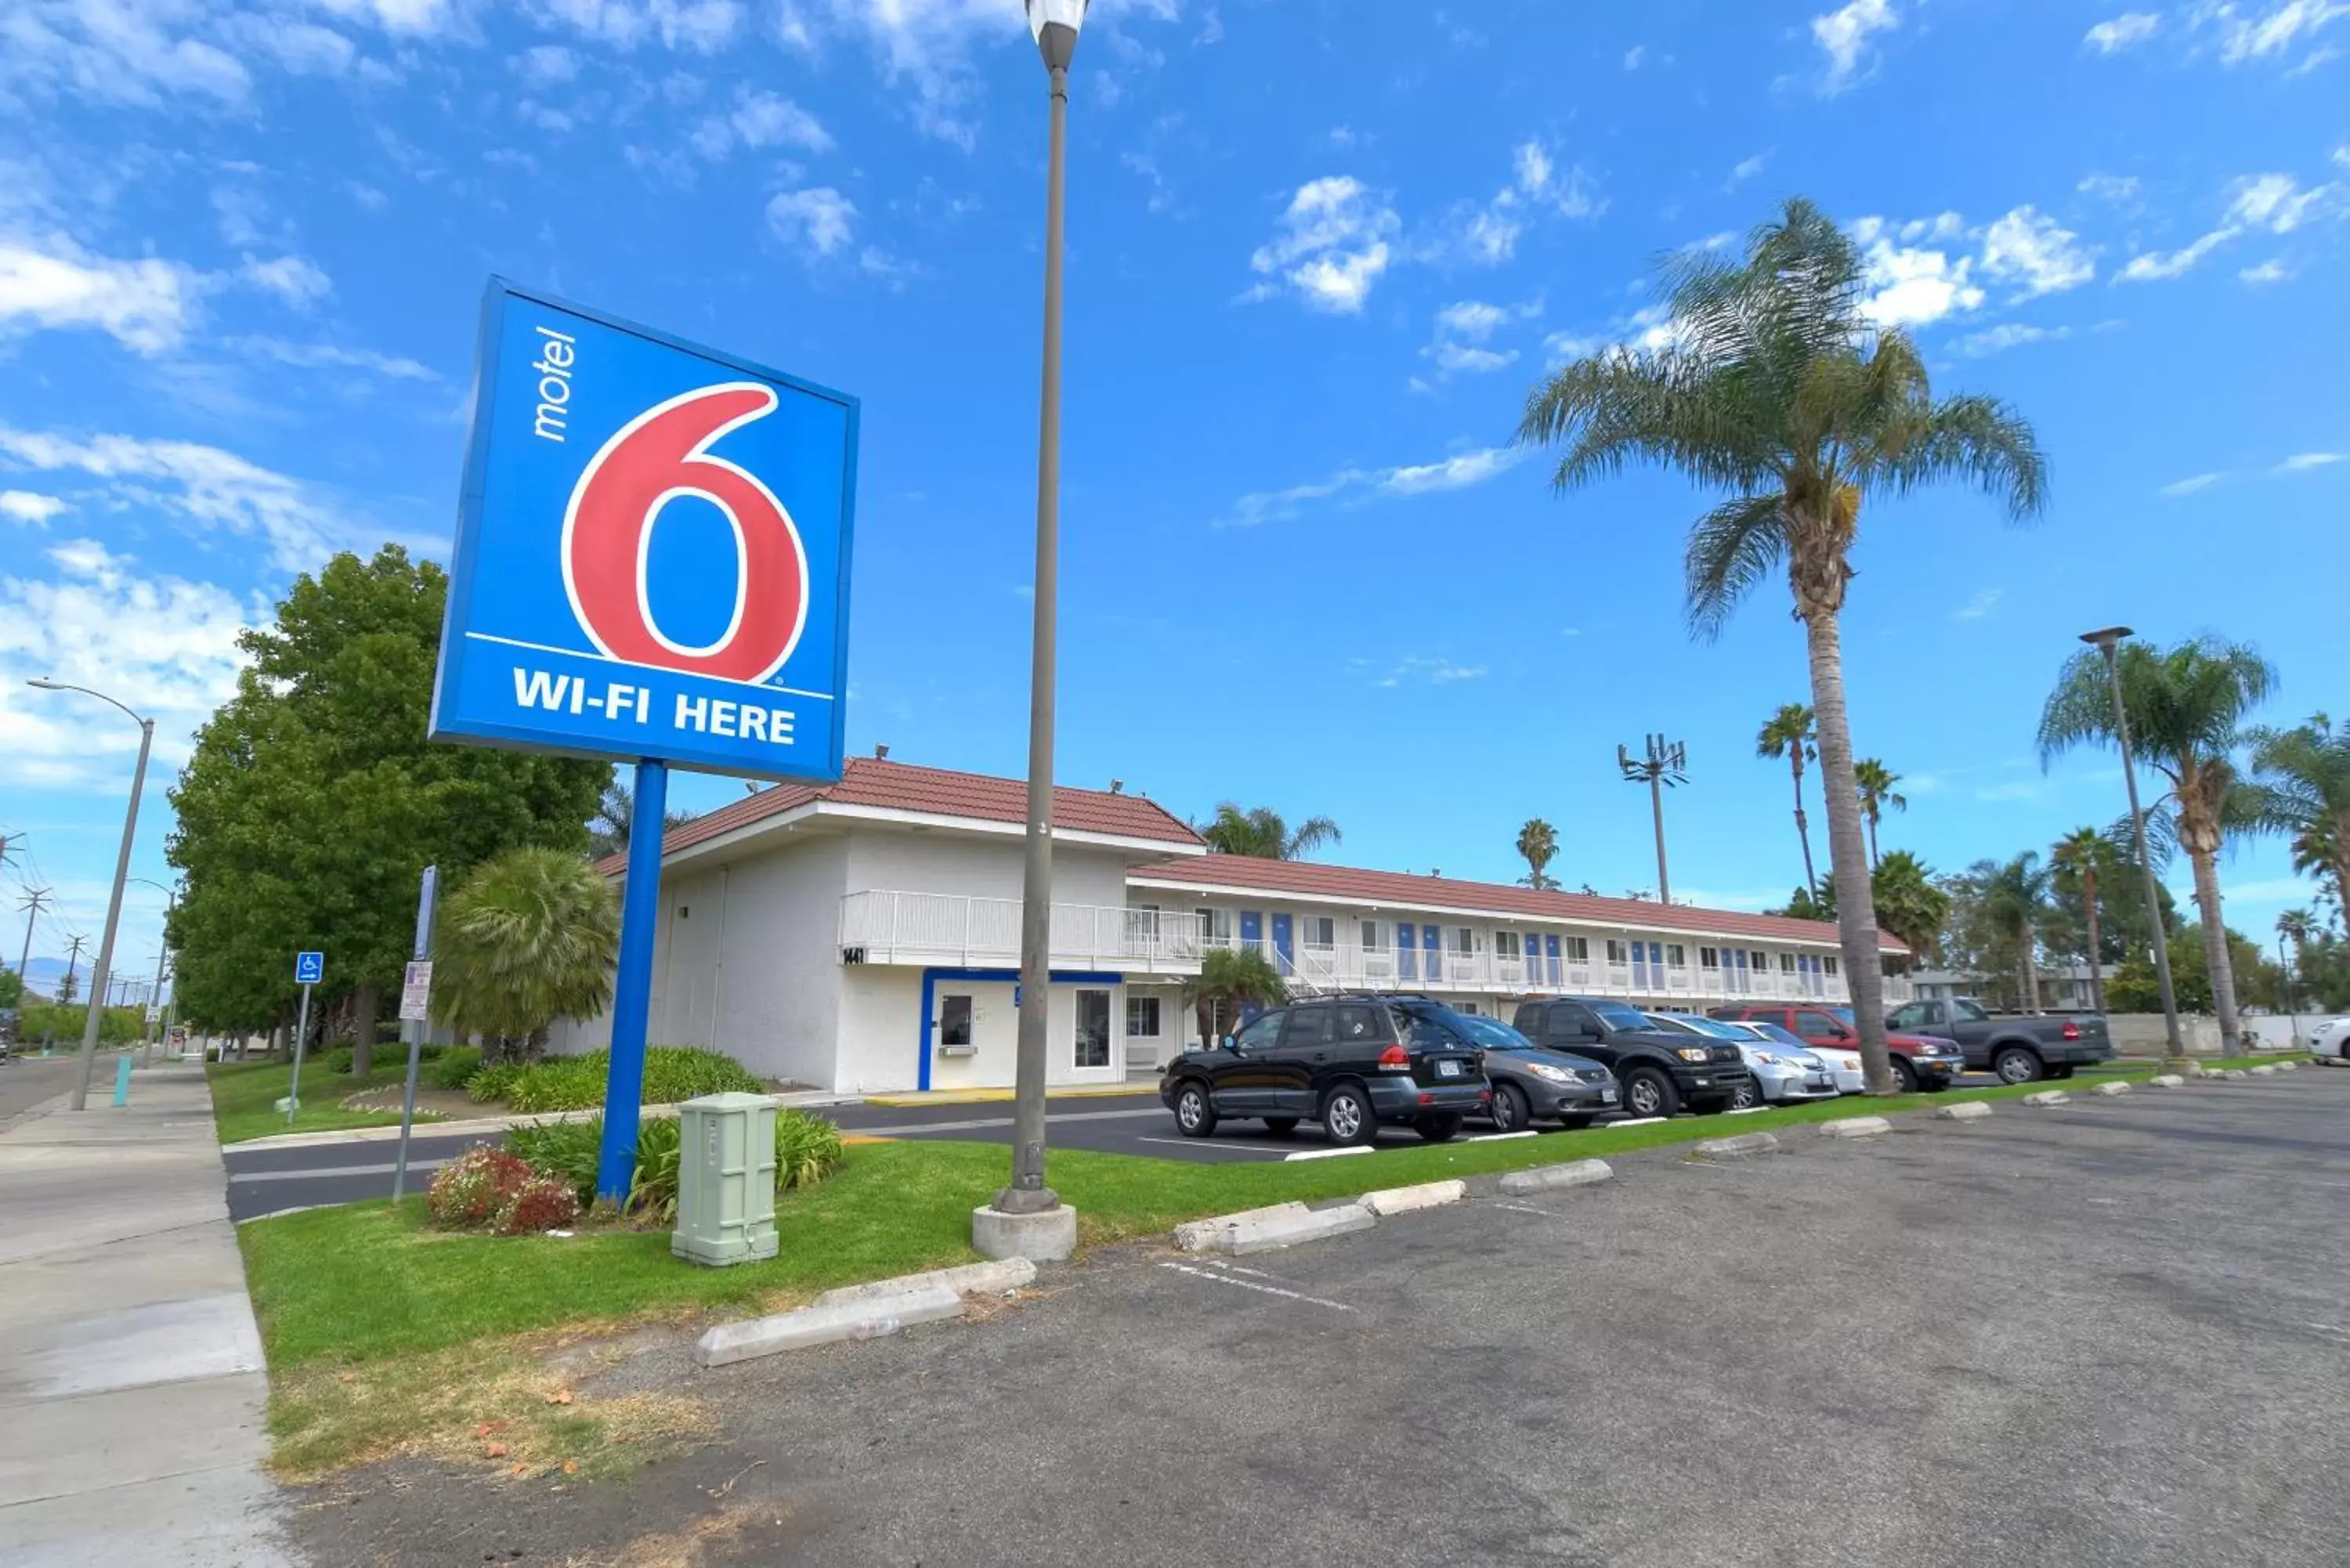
x: 2018, y: 1049
x: 1660, y: 1071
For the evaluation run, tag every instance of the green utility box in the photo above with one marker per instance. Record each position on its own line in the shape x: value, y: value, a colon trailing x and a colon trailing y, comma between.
x: 726, y: 1180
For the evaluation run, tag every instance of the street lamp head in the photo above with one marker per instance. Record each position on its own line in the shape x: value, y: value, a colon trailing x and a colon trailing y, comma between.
x: 46, y: 685
x: 2106, y: 637
x: 1054, y: 24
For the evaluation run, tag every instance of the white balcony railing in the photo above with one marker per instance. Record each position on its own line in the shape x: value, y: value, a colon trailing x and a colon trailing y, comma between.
x: 884, y: 926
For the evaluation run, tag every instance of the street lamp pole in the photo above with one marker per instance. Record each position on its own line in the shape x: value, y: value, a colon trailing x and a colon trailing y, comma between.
x: 1054, y: 24
x: 2108, y: 642
x: 97, y: 1010
x: 162, y: 947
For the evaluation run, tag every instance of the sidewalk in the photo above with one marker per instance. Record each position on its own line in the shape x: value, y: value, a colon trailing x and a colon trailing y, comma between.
x: 131, y: 1388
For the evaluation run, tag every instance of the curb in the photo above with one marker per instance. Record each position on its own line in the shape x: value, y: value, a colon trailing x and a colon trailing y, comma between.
x: 2266, y: 1069
x: 1964, y: 1111
x: 1240, y: 1236
x: 731, y: 1341
x: 1856, y: 1126
x: 1553, y: 1178
x: 2167, y: 1081
x: 2223, y: 1073
x: 1405, y: 1199
x: 969, y: 1280
x: 2110, y: 1090
x: 2046, y: 1098
x: 1736, y: 1148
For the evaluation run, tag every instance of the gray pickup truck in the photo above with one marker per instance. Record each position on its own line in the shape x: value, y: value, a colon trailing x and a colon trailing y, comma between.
x: 2018, y: 1049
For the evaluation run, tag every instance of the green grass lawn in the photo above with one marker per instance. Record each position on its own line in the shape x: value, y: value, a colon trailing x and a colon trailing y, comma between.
x: 244, y: 1095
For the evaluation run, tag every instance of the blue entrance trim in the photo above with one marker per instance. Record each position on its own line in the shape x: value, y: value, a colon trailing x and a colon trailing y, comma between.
x: 930, y: 977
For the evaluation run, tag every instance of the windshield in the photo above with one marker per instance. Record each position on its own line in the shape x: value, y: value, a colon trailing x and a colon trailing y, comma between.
x: 1492, y: 1032
x: 1617, y: 1016
x: 1778, y: 1034
x: 1713, y: 1029
x: 1843, y: 1015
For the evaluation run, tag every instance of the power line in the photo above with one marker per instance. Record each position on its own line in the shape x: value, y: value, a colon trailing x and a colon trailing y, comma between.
x: 33, y: 898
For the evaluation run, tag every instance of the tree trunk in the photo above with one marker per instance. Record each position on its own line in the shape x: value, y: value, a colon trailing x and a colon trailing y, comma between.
x: 1848, y: 852
x: 2028, y: 970
x: 1803, y: 827
x: 2097, y: 968
x: 2215, y: 948
x: 364, y: 1003
x: 1872, y: 843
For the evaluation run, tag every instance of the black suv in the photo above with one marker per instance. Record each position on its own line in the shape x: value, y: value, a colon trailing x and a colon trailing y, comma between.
x: 1661, y: 1071
x: 1351, y: 1063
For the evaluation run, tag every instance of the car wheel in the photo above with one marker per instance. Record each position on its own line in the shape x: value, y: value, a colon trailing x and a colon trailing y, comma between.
x: 2015, y: 1064
x: 1905, y: 1076
x: 1510, y: 1112
x: 1746, y: 1097
x: 1347, y: 1117
x: 1438, y: 1129
x: 1649, y: 1093
x: 1281, y: 1126
x: 1195, y: 1112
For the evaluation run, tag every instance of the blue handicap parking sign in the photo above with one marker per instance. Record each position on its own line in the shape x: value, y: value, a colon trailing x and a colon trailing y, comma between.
x: 309, y: 968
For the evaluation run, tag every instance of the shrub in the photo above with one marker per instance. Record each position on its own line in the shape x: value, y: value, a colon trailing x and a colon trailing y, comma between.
x: 541, y: 1203
x: 567, y: 1150
x: 562, y: 1084
x: 660, y: 1148
x: 808, y: 1149
x: 492, y: 1083
x: 675, y: 1073
x: 672, y: 1073
x: 475, y: 1187
x: 454, y: 1066
x: 338, y: 1061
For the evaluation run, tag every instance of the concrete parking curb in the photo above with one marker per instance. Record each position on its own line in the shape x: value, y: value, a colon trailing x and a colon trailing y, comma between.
x: 1856, y: 1126
x: 1405, y: 1199
x: 2167, y: 1081
x: 2046, y: 1098
x: 2110, y: 1090
x: 1271, y: 1229
x: 1964, y: 1111
x: 970, y: 1279
x: 1555, y: 1178
x: 2265, y: 1069
x: 869, y: 1319
x: 1737, y: 1148
x: 1200, y: 1235
x: 2224, y: 1073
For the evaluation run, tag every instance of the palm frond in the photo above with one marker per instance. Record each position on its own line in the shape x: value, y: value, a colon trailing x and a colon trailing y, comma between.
x: 1978, y: 439
x: 1730, y: 549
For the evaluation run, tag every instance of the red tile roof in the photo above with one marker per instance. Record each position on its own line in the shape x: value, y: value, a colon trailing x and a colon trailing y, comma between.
x: 934, y: 792
x: 1341, y: 884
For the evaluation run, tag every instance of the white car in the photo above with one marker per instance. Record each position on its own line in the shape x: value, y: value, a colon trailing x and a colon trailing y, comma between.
x: 1785, y: 1073
x: 2331, y: 1041
x: 1843, y: 1067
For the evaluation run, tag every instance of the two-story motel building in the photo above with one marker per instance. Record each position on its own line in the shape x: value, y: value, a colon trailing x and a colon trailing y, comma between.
x: 864, y: 936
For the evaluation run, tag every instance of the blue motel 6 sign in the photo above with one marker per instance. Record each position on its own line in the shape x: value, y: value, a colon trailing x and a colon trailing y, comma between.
x: 652, y: 551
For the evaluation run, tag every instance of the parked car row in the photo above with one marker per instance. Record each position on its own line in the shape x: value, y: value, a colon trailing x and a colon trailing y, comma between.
x: 1358, y: 1062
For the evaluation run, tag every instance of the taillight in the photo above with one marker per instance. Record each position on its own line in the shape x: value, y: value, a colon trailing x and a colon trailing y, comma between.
x: 2072, y: 1031
x: 1394, y: 1059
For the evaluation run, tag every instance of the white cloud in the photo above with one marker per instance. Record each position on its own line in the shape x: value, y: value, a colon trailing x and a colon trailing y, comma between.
x: 50, y: 282
x: 1634, y: 55
x: 699, y: 26
x: 2271, y: 32
x: 760, y: 119
x: 2155, y: 267
x: 1436, y: 671
x: 2129, y: 28
x: 29, y: 506
x: 1473, y: 319
x: 545, y: 65
x: 1538, y: 180
x: 1845, y: 35
x: 2191, y: 484
x: 202, y: 484
x: 1354, y: 487
x: 2305, y: 461
x: 296, y: 280
x: 2036, y: 253
x: 2273, y: 203
x: 1980, y: 606
x: 1911, y: 283
x: 1333, y: 244
x: 2008, y: 335
x: 2269, y: 271
x: 2118, y: 189
x: 1749, y: 168
x: 819, y: 221
x: 333, y: 357
x: 1462, y: 330
x: 113, y: 53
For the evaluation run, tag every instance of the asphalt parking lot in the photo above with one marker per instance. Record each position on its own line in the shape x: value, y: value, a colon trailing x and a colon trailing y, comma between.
x: 2115, y: 1332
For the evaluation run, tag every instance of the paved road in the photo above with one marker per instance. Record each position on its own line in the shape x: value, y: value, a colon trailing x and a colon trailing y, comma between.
x: 2113, y: 1333
x: 28, y: 1081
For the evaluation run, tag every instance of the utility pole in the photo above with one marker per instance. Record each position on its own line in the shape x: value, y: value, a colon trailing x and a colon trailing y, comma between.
x: 1665, y: 763
x: 33, y: 898
x: 73, y: 960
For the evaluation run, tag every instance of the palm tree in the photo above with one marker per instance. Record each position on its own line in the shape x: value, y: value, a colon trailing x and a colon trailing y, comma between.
x: 1792, y: 734
x: 2299, y: 927
x: 1776, y: 387
x: 1909, y: 903
x: 531, y: 936
x: 2303, y: 776
x: 608, y: 830
x: 2014, y: 895
x: 1538, y: 842
x: 1231, y: 979
x: 2074, y: 864
x: 1263, y: 834
x: 2187, y: 706
x: 1875, y: 783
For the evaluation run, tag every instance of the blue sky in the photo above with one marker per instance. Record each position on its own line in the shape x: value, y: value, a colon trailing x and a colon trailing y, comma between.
x: 1318, y: 252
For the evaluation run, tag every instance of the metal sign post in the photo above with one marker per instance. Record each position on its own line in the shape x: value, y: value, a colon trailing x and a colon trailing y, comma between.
x: 415, y: 1017
x: 309, y: 968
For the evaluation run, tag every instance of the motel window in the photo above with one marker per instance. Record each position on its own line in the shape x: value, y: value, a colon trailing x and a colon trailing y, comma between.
x: 1373, y: 942
x: 954, y: 1019
x: 1831, y: 965
x: 1675, y: 956
x: 1786, y: 963
x: 1709, y: 957
x: 1578, y: 949
x: 1092, y: 1029
x: 1216, y: 925
x: 1143, y: 1016
x: 1617, y: 952
x: 1506, y: 943
x: 1758, y: 959
x: 1463, y: 941
x: 1320, y: 931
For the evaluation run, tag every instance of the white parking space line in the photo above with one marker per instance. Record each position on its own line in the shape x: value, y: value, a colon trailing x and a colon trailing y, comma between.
x: 1331, y: 1153
x: 1522, y: 1209
x: 1497, y: 1138
x: 322, y: 1172
x: 1635, y: 1122
x: 1251, y: 1286
x: 1194, y: 1143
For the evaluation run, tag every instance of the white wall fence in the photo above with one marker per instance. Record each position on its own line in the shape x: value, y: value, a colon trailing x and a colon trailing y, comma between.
x: 884, y: 926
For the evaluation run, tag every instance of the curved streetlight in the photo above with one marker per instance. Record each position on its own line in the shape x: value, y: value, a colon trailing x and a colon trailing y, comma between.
x: 162, y: 947
x: 96, y: 1012
x: 1014, y: 1224
x: 2108, y: 642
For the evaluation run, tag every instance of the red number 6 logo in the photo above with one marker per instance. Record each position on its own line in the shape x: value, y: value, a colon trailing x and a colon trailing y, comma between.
x: 655, y: 457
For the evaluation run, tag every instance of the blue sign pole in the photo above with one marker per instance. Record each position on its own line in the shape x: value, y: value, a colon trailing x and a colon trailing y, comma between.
x: 632, y: 987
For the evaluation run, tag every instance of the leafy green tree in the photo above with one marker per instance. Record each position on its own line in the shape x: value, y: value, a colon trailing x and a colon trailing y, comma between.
x: 1791, y: 734
x: 1231, y: 979
x: 1909, y: 903
x: 1538, y: 842
x: 1875, y: 783
x: 530, y: 938
x: 1777, y: 387
x: 69, y: 988
x: 313, y: 801
x: 2076, y: 865
x: 2014, y: 893
x: 2186, y: 705
x: 608, y: 830
x: 2303, y: 775
x: 11, y: 987
x: 2134, y: 987
x: 1262, y: 833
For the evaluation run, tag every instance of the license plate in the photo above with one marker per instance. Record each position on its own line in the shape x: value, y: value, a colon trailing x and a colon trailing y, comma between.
x: 1698, y: 1083
x: 1606, y: 1096
x: 1447, y: 1069
x: 1822, y: 1084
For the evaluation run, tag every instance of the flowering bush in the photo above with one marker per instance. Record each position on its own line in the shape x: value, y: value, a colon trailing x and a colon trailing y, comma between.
x: 475, y: 1187
x: 542, y: 1203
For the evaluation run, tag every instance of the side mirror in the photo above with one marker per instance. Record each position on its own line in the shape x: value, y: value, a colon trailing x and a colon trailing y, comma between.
x: 1230, y: 1043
